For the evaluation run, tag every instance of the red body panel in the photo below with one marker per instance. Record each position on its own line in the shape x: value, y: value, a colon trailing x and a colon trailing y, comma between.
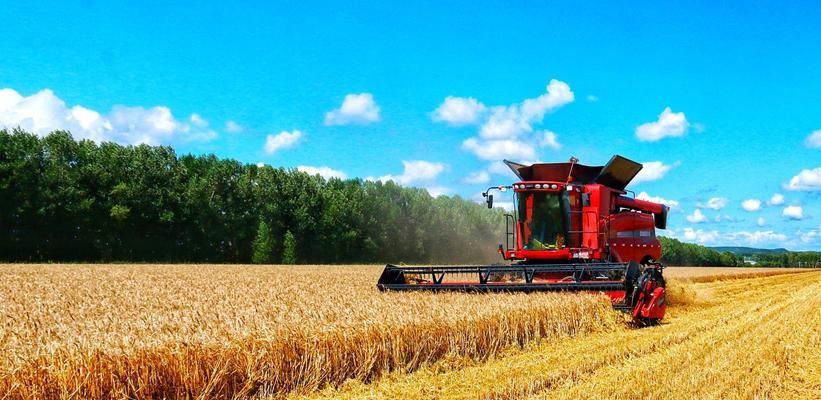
x: 603, y: 223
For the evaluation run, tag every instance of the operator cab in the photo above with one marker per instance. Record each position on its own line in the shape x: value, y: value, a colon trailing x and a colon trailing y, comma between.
x: 570, y: 211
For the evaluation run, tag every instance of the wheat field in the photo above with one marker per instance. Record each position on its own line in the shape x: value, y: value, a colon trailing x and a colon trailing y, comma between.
x: 206, y: 331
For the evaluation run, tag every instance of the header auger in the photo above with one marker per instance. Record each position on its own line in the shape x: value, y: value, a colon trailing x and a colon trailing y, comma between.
x: 573, y: 228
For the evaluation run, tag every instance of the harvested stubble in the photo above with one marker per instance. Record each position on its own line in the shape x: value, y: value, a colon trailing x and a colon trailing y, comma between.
x: 757, y: 339
x: 97, y: 331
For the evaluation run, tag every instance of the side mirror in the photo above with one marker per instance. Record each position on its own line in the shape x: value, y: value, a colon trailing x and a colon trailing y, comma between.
x: 489, y: 201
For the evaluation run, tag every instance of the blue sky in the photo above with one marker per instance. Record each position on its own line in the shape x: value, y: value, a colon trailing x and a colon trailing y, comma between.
x: 360, y: 89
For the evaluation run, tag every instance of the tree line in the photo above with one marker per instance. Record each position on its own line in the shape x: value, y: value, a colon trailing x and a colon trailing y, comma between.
x: 67, y: 200
x: 675, y: 252
x: 801, y: 259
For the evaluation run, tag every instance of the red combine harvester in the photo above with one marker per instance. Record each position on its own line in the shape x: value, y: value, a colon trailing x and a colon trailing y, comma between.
x: 573, y: 229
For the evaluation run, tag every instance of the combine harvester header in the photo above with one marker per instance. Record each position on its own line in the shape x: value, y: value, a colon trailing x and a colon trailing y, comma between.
x: 573, y: 228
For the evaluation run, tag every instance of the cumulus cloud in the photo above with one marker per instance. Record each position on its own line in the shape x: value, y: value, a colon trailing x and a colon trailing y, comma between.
x: 738, y: 238
x: 810, y: 236
x: 477, y: 178
x: 668, y: 124
x: 416, y: 171
x: 761, y: 221
x: 814, y: 140
x: 508, y: 131
x: 356, y: 109
x: 751, y: 205
x: 673, y: 204
x: 715, y: 203
x: 233, y: 127
x: 793, y: 212
x: 808, y: 180
x: 550, y: 139
x: 776, y: 200
x: 325, y: 172
x: 197, y: 120
x: 700, y: 236
x: 436, y: 191
x: 756, y: 237
x: 459, y: 111
x: 44, y: 112
x: 697, y: 217
x: 499, y: 168
x: 283, y: 140
x: 652, y: 171
x: 499, y: 149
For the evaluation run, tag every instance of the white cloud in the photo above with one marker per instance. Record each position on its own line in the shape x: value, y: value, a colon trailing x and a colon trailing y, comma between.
x: 700, y: 236
x: 592, y: 98
x: 233, y: 127
x: 325, y: 172
x: 776, y: 200
x: 697, y: 217
x: 507, y: 131
x: 197, y: 120
x: 738, y: 238
x: 356, y: 109
x: 808, y: 180
x: 810, y: 236
x: 283, y: 140
x: 44, y: 112
x: 725, y: 217
x: 499, y: 168
x: 814, y: 140
x: 751, y: 204
x: 260, y: 164
x: 436, y: 191
x: 499, y: 149
x: 505, y: 205
x: 550, y: 139
x: 715, y: 203
x: 668, y: 124
x: 793, y: 212
x: 761, y: 221
x: 558, y: 94
x: 477, y: 178
x: 459, y: 111
x: 416, y: 171
x: 652, y: 171
x: 673, y: 204
x: 757, y: 237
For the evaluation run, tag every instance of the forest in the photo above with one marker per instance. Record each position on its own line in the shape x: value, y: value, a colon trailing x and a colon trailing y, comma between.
x: 67, y: 200
x: 70, y: 201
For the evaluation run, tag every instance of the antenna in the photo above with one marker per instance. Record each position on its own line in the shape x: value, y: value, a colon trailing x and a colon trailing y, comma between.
x: 573, y: 161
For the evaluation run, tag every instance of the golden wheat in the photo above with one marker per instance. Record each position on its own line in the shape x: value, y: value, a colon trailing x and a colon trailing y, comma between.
x: 754, y: 338
x: 166, y: 331
x: 94, y: 331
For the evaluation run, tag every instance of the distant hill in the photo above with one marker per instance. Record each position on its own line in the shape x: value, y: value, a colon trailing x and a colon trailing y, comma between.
x: 748, y: 251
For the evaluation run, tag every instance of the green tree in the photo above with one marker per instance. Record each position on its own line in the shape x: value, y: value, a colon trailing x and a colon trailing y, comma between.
x: 289, y: 249
x: 263, y: 245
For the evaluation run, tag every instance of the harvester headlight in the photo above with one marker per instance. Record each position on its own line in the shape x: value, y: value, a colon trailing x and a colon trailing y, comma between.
x: 554, y: 186
x: 538, y: 186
